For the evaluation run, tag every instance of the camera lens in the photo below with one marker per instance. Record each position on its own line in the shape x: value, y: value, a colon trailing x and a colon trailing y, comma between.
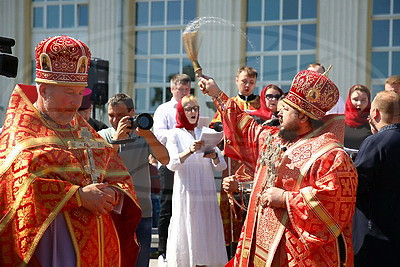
x: 143, y: 121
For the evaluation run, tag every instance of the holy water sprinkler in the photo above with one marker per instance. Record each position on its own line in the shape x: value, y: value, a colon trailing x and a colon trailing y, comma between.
x: 191, y: 37
x: 190, y: 41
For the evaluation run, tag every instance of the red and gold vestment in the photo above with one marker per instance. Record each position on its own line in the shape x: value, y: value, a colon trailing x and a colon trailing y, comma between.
x: 320, y: 181
x: 39, y: 179
x: 233, y: 224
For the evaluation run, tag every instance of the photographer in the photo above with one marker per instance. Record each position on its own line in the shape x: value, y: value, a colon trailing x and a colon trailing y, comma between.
x: 134, y: 146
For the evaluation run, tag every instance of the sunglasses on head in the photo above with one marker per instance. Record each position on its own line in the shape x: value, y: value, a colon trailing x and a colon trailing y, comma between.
x: 271, y: 96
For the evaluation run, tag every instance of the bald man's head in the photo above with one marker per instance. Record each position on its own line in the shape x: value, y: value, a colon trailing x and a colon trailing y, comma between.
x: 388, y: 104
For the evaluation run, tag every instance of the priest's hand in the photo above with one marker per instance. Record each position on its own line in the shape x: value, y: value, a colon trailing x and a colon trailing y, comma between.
x: 112, y: 191
x: 97, y: 199
x: 273, y: 197
x: 208, y: 86
x: 230, y: 184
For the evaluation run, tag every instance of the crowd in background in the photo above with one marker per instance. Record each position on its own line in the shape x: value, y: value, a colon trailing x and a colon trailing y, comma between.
x: 166, y: 172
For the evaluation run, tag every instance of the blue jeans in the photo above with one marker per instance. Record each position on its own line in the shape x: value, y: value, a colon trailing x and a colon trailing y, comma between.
x: 143, y: 233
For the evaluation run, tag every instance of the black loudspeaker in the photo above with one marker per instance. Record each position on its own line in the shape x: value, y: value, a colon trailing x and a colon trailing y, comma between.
x: 8, y: 63
x: 98, y: 80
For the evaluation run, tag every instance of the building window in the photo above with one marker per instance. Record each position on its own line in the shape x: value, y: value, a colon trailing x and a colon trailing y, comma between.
x: 159, y: 52
x: 53, y: 14
x: 281, y: 39
x: 385, y: 43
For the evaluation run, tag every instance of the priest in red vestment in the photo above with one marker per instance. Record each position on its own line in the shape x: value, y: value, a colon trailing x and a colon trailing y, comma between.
x: 304, y: 193
x: 66, y: 196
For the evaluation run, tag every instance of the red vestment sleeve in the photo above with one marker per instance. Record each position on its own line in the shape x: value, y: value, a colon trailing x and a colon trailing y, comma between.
x: 241, y: 131
x: 321, y: 211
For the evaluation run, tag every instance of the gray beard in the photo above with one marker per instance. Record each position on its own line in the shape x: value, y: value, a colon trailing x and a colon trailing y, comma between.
x: 288, y: 135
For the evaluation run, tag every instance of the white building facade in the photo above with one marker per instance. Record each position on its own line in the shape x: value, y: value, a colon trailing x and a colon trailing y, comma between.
x: 142, y: 41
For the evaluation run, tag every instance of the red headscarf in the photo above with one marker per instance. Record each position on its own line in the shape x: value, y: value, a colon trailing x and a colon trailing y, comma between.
x: 353, y: 118
x: 181, y: 119
x: 264, y: 112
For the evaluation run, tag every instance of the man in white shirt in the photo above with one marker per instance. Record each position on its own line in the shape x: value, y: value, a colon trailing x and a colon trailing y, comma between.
x: 164, y: 120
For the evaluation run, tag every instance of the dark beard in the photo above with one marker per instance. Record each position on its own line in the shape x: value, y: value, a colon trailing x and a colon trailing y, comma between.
x: 288, y: 135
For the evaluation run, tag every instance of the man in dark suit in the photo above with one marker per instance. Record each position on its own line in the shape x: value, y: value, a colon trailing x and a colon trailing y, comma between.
x: 378, y: 192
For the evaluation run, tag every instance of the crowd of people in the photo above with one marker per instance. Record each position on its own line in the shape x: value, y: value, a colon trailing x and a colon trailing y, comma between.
x: 308, y: 179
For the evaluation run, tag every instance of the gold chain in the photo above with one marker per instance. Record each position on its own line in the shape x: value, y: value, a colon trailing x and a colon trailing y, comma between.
x: 54, y: 126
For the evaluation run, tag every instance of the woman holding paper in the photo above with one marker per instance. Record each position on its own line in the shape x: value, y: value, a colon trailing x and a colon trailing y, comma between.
x: 195, y: 234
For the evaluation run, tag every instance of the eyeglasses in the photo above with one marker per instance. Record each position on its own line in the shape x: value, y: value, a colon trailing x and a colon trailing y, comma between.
x: 271, y: 96
x: 193, y: 109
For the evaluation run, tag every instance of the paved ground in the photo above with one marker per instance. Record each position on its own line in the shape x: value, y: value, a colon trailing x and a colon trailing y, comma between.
x: 154, y: 245
x: 153, y: 263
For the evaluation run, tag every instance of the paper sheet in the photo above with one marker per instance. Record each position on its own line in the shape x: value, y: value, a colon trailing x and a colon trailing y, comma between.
x: 211, y: 138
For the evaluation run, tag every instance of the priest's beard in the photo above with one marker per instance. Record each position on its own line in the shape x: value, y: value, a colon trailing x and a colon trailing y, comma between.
x: 289, y: 134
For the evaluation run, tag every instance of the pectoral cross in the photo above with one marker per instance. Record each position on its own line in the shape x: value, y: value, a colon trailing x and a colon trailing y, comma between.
x: 270, y: 157
x: 88, y: 144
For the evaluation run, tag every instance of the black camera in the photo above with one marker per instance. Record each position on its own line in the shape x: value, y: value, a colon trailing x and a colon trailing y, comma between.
x: 143, y: 121
x: 218, y: 126
x: 8, y: 63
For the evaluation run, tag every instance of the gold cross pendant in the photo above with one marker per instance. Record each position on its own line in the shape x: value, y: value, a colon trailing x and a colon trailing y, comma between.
x: 86, y: 142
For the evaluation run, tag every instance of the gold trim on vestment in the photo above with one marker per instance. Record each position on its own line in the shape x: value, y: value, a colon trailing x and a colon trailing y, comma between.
x: 24, y: 145
x: 116, y: 173
x: 79, y: 198
x: 118, y: 241
x: 98, y: 218
x: 340, y: 263
x: 258, y: 262
x: 101, y: 245
x: 316, y: 206
x: 242, y: 123
x: 58, y: 169
x: 278, y: 237
x: 30, y: 143
x: 73, y: 237
x: 47, y: 222
x: 10, y: 214
x: 304, y: 169
x: 306, y: 166
x: 100, y: 239
x: 118, y: 186
x: 84, y: 84
x: 293, y: 105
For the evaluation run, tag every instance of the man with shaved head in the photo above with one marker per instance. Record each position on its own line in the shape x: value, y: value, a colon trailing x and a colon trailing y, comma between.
x: 378, y: 193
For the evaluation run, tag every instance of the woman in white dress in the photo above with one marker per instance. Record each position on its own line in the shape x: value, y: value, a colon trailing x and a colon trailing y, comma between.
x: 195, y: 233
